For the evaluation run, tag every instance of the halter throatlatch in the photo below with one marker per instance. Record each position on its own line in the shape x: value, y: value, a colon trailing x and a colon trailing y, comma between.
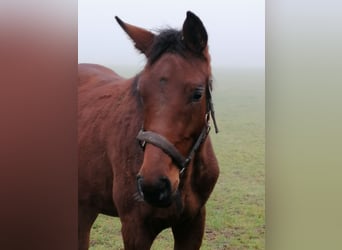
x: 210, y: 109
x: 164, y: 144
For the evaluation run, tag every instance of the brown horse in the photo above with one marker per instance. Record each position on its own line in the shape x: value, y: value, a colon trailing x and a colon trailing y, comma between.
x: 144, y: 153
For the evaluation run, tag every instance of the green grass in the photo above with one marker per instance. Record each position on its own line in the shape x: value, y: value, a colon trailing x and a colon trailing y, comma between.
x: 236, y: 208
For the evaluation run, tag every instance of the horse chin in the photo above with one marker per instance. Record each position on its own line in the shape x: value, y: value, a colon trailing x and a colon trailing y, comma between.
x: 160, y: 204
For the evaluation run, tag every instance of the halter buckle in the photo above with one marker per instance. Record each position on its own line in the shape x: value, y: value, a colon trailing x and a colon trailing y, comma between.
x: 208, y: 129
x: 181, y: 172
x: 142, y: 144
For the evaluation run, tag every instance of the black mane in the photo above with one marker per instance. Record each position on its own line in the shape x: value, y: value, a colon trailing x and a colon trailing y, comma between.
x: 167, y: 41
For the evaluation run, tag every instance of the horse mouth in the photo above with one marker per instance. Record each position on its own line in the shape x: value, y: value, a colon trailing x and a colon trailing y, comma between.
x: 156, y: 199
x: 159, y: 203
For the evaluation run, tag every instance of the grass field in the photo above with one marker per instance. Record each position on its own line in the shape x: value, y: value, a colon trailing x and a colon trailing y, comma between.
x: 236, y: 208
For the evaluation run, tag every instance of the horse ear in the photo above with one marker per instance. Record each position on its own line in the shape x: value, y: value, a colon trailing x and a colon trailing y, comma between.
x: 142, y: 38
x: 194, y: 34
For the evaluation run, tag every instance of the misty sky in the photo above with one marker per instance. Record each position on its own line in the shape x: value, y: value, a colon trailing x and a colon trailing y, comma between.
x: 236, y: 29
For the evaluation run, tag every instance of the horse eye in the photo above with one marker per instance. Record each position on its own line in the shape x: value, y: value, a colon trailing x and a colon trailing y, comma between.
x: 197, y: 95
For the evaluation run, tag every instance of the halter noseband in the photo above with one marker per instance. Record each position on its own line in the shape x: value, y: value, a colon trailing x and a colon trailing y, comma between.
x: 162, y: 143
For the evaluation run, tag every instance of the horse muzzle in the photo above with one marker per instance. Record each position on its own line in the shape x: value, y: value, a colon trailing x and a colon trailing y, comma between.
x: 158, y: 193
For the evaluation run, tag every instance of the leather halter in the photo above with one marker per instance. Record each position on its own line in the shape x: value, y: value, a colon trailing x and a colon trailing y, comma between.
x: 164, y: 144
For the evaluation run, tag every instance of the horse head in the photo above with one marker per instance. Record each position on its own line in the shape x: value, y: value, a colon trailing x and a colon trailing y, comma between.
x: 175, y: 92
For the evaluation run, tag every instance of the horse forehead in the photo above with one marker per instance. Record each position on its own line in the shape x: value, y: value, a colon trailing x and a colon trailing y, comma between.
x: 172, y: 65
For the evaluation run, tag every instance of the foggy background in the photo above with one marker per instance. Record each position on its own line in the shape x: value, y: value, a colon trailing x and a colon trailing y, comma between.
x: 236, y: 29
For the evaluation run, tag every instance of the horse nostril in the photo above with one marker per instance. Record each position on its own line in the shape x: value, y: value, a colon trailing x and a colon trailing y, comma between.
x: 139, y: 177
x: 164, y: 183
x: 164, y: 189
x: 139, y: 185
